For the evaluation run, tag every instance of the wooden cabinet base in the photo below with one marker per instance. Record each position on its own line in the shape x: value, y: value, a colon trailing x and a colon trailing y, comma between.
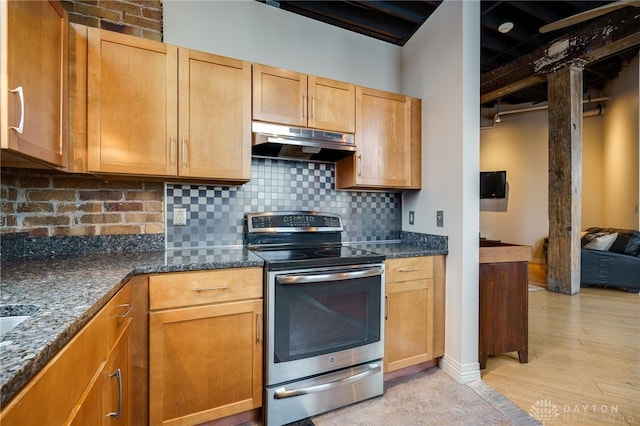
x: 503, y: 310
x: 411, y: 370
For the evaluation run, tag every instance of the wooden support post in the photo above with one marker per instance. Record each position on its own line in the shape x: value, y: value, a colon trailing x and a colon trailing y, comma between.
x: 565, y: 178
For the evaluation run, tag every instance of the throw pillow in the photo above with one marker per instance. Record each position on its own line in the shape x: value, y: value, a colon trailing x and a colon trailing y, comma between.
x: 590, y: 236
x: 602, y: 243
x: 621, y: 243
x: 634, y: 244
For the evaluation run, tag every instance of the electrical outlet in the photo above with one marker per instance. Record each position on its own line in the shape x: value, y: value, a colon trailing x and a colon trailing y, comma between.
x: 179, y: 216
x: 411, y: 217
x: 440, y: 218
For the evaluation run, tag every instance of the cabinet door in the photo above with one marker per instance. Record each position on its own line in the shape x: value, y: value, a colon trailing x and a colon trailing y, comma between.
x: 215, y: 117
x: 70, y: 373
x: 416, y: 143
x: 117, y: 395
x: 383, y: 140
x: 279, y: 95
x: 91, y: 410
x: 132, y: 105
x: 409, y: 324
x: 332, y: 105
x: 33, y: 73
x: 205, y: 362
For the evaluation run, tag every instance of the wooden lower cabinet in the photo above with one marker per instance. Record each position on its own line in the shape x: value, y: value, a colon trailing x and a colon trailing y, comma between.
x: 76, y: 386
x: 108, y: 401
x: 414, y: 314
x: 205, y: 361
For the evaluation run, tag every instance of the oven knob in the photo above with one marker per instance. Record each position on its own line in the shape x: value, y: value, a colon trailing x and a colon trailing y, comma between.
x: 332, y: 359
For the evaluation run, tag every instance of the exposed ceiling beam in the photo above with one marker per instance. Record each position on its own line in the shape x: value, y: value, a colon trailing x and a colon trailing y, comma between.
x: 605, y: 36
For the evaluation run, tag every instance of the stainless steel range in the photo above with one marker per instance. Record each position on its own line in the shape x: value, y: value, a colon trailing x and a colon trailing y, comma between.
x: 324, y: 315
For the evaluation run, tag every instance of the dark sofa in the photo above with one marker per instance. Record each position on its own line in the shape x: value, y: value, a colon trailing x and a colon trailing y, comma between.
x: 617, y: 266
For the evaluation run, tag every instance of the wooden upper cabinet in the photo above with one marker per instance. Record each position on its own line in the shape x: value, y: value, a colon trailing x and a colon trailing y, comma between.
x: 383, y: 141
x: 215, y: 116
x: 33, y: 82
x: 290, y: 98
x: 156, y: 109
x: 416, y: 144
x: 132, y: 105
x: 331, y: 105
x: 279, y: 95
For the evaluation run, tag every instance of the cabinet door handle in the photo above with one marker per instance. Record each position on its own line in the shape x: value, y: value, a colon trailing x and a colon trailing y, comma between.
x: 20, y: 93
x: 118, y: 375
x: 172, y: 150
x: 258, y: 327
x: 199, y: 289
x: 408, y: 269
x: 304, y: 106
x: 359, y: 165
x: 313, y: 107
x: 126, y: 305
x: 386, y: 307
x: 184, y: 152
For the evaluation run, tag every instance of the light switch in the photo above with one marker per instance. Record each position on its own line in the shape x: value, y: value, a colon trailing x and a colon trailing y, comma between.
x: 440, y: 218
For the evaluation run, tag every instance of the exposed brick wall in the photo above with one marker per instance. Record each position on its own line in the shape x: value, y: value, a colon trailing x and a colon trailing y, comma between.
x: 137, y: 18
x: 46, y: 203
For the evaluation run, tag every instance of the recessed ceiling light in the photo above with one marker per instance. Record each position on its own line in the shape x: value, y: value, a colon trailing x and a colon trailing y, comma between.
x: 505, y: 27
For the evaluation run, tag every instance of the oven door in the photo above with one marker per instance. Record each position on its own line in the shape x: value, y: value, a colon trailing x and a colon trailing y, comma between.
x: 323, y: 319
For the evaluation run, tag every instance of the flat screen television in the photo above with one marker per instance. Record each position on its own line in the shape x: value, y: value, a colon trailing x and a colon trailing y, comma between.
x: 493, y: 184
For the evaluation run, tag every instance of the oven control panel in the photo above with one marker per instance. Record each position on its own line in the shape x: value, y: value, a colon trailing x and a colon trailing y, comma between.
x: 294, y: 222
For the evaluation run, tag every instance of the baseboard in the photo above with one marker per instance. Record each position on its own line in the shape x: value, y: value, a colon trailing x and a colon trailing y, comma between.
x: 462, y: 373
x: 411, y: 370
x: 236, y: 419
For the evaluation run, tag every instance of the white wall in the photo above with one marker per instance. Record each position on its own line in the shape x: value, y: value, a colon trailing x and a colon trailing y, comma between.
x: 621, y: 141
x: 255, y: 32
x: 441, y: 65
x: 519, y: 144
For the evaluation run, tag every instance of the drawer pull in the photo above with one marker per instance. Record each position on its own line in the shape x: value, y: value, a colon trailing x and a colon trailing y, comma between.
x: 199, y: 289
x: 408, y: 269
x: 126, y: 305
x: 118, y: 375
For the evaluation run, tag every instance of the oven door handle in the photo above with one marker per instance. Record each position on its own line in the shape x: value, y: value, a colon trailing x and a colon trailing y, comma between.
x: 367, y: 371
x: 323, y: 278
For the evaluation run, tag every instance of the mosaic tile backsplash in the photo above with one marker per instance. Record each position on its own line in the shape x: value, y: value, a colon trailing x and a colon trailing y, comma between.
x: 215, y: 214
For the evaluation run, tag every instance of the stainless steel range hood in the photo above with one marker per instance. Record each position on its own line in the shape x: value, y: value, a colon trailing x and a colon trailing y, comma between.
x: 274, y: 140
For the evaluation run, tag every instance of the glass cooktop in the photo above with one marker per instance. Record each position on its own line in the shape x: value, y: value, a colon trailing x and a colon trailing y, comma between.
x: 323, y: 256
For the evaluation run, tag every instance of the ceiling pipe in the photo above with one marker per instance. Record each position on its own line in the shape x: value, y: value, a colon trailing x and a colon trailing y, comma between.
x: 590, y: 113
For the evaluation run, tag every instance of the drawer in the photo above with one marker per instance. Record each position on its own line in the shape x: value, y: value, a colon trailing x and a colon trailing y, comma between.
x: 119, y: 314
x: 172, y: 290
x: 409, y: 268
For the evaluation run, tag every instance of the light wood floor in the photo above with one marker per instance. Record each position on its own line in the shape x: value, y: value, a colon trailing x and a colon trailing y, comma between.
x: 584, y: 358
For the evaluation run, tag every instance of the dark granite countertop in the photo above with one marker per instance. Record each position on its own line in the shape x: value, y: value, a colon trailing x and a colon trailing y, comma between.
x: 397, y: 249
x: 70, y: 290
